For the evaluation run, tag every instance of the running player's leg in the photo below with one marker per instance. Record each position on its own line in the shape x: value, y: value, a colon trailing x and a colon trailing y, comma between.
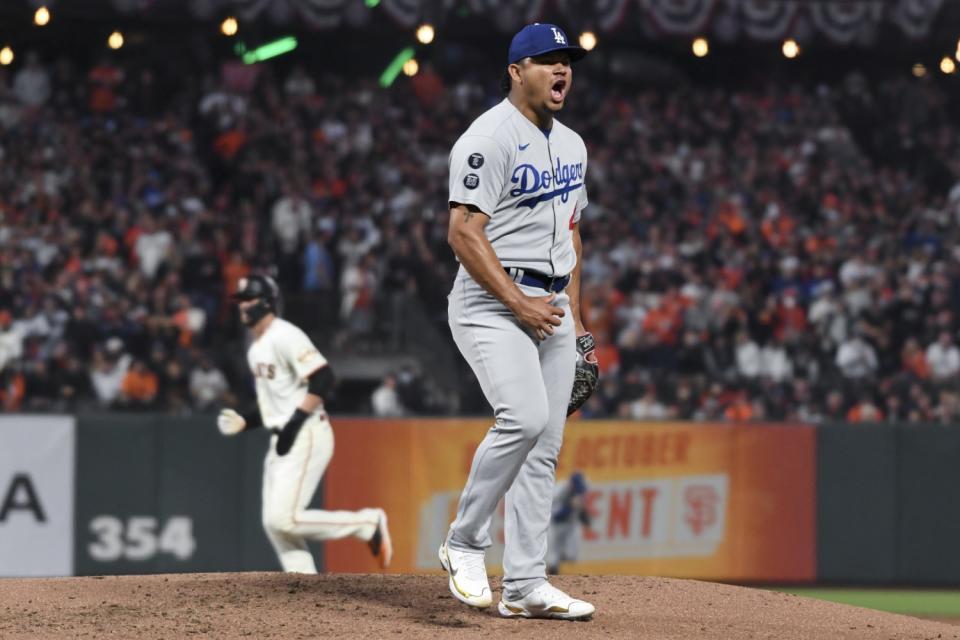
x: 506, y: 362
x: 302, y: 470
x: 290, y: 549
x: 529, y: 501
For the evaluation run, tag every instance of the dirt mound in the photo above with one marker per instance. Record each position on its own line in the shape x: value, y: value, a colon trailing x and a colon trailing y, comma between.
x: 276, y: 605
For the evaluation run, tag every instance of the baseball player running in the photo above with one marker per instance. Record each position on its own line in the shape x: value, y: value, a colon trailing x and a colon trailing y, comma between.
x: 291, y: 380
x: 516, y: 197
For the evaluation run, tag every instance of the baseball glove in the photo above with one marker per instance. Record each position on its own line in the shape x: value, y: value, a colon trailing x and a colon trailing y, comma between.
x: 587, y: 372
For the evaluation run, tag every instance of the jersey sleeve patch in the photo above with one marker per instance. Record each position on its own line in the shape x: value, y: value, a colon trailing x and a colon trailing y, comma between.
x: 477, y: 172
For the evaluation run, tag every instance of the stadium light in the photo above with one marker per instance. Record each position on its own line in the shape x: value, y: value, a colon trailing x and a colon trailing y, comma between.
x: 701, y: 47
x: 425, y: 33
x: 6, y: 56
x: 270, y: 50
x: 396, y: 65
x: 790, y: 48
x: 410, y: 67
x: 919, y: 70
x: 588, y: 40
x: 947, y: 65
x: 41, y: 17
x: 229, y: 26
x: 115, y: 41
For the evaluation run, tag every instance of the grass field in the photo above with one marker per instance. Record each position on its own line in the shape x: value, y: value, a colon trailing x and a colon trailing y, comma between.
x: 916, y: 602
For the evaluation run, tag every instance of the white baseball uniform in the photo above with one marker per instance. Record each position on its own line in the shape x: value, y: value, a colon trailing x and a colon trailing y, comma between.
x: 281, y: 360
x: 531, y: 185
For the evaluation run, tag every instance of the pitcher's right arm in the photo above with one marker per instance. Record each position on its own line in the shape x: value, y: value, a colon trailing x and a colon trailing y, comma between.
x: 469, y: 242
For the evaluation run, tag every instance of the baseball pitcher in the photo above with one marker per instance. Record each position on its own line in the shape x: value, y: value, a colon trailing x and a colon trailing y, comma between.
x: 516, y: 197
x: 292, y: 378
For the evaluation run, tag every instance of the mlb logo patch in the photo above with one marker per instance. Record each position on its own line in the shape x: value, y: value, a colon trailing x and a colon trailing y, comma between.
x: 471, y: 181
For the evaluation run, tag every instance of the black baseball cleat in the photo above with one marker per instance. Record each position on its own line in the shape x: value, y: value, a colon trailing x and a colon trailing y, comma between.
x: 380, y: 544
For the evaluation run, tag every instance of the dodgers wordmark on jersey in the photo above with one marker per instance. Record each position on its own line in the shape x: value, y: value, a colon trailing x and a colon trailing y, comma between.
x: 281, y: 361
x: 530, y: 182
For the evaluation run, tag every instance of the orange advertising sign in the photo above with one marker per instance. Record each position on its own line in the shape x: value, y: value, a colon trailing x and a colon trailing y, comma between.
x: 675, y: 499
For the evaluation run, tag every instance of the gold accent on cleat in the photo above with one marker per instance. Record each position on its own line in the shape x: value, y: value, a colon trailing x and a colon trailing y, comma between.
x: 457, y: 587
x: 558, y: 609
x: 513, y: 609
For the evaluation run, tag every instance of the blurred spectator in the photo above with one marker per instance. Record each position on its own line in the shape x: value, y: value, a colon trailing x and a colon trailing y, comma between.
x: 11, y: 340
x: 299, y: 84
x: 152, y: 246
x: 358, y: 284
x: 208, y: 385
x: 647, y: 407
x: 104, y: 80
x: 12, y: 389
x: 173, y: 391
x: 749, y: 361
x: 292, y: 218
x: 865, y: 411
x: 31, y: 84
x: 108, y: 371
x: 385, y: 399
x: 775, y: 363
x: 943, y: 358
x: 856, y: 358
x: 73, y: 384
x: 319, y: 275
x: 835, y: 409
x: 914, y: 360
x: 740, y: 409
x: 40, y: 388
x: 947, y: 409
x: 139, y: 386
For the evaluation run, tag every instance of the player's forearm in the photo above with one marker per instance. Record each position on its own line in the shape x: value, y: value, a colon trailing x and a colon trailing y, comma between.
x: 310, y: 403
x: 478, y: 258
x: 573, y: 288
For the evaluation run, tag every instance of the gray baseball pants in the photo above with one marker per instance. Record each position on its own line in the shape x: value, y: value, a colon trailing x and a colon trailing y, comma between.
x: 528, y: 384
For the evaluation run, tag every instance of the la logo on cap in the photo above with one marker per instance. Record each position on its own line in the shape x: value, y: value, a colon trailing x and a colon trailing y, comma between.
x: 558, y: 36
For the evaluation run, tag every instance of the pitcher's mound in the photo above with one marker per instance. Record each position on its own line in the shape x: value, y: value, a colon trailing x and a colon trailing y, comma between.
x: 276, y: 605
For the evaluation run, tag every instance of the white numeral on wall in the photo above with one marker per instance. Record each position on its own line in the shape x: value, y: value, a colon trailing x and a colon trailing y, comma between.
x: 138, y: 539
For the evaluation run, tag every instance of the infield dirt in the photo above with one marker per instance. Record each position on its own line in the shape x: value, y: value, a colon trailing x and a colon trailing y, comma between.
x: 277, y: 605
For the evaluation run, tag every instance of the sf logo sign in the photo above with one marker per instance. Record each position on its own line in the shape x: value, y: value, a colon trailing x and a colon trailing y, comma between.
x: 558, y: 36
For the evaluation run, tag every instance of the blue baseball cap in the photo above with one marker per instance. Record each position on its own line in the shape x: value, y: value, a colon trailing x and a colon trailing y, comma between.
x: 539, y: 38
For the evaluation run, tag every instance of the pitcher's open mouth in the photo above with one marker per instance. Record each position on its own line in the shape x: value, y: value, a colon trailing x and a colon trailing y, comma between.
x: 558, y: 90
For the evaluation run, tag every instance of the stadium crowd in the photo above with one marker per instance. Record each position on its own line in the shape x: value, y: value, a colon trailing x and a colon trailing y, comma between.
x: 768, y: 254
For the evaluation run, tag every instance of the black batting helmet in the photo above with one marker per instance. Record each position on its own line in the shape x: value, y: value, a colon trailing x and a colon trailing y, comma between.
x: 257, y: 286
x: 262, y: 288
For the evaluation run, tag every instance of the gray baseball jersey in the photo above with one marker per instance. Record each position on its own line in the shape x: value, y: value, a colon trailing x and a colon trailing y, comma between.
x: 531, y: 184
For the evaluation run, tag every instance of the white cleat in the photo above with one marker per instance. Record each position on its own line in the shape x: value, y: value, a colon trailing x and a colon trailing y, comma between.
x: 546, y: 601
x: 468, y: 576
